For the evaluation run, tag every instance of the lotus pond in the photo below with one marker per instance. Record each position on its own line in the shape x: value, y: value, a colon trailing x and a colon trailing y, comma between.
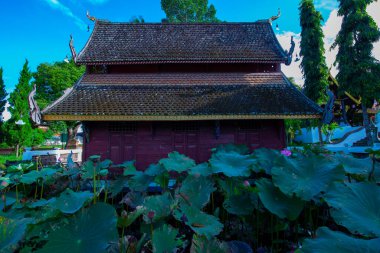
x: 265, y: 201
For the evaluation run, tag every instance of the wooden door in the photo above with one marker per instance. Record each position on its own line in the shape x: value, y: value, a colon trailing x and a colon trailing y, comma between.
x: 186, y: 139
x: 122, y: 142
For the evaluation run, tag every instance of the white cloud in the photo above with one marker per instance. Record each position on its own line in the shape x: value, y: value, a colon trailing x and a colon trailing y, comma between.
x: 6, y: 115
x: 56, y: 4
x: 330, y: 29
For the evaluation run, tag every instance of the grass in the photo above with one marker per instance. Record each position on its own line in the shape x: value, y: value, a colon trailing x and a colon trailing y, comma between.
x: 12, y: 157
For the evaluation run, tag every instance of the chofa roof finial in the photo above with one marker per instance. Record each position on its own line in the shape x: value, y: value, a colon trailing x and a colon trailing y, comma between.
x: 34, y: 110
x: 90, y: 17
x: 273, y: 18
x: 72, y: 48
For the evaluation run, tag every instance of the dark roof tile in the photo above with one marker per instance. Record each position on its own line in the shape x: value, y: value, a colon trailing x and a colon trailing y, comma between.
x: 126, y: 43
x: 188, y: 94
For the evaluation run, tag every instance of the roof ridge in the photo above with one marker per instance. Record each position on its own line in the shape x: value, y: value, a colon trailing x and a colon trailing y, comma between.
x: 102, y: 21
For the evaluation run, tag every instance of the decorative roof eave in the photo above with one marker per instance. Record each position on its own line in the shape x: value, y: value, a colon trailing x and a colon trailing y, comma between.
x: 50, y: 117
x: 179, y: 61
x: 72, y: 49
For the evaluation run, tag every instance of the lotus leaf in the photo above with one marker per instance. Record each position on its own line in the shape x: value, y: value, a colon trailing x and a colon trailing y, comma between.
x: 9, y: 199
x: 90, y: 231
x: 165, y: 239
x: 47, y: 172
x: 231, y: 186
x: 126, y: 221
x: 239, y: 247
x: 200, y: 244
x: 103, y: 172
x: 265, y: 159
x: 30, y: 177
x: 163, y: 180
x: 306, y: 176
x: 338, y: 242
x: 154, y: 170
x: 133, y: 199
x: 359, y: 166
x: 117, y: 186
x: 104, y: 164
x: 70, y: 162
x: 277, y: 202
x: 241, y: 204
x: 195, y: 191
x: 177, y: 162
x: 11, y: 231
x: 356, y: 206
x: 70, y: 202
x: 200, y: 222
x: 94, y: 157
x: 202, y: 169
x: 240, y: 149
x: 140, y: 181
x: 232, y: 164
x: 4, y: 182
x: 89, y: 170
x: 40, y: 203
x: 157, y: 207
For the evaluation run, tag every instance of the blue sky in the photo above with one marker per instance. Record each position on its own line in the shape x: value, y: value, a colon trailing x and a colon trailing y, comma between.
x: 39, y: 30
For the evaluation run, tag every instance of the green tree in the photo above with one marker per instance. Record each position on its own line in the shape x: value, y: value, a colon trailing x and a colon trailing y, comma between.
x: 3, y: 101
x: 137, y: 20
x: 359, y: 71
x: 22, y: 135
x: 51, y: 81
x: 315, y: 70
x: 189, y: 11
x: 3, y: 95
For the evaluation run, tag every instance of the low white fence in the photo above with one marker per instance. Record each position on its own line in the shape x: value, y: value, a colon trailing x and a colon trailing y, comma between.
x: 53, y: 155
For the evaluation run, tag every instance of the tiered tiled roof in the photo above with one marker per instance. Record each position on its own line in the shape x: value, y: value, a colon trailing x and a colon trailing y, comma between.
x: 182, y: 96
x: 126, y: 43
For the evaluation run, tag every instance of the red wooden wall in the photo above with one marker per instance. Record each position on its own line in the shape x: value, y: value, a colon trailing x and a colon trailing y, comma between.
x: 148, y: 142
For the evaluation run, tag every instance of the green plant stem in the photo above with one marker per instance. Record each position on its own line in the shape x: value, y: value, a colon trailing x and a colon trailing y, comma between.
x: 371, y: 174
x: 94, y: 184
x: 35, y: 191
x: 151, y: 230
x: 271, y: 231
x: 257, y: 227
x: 5, y: 201
x: 212, y: 202
x: 17, y: 194
x: 42, y: 189
x: 122, y: 240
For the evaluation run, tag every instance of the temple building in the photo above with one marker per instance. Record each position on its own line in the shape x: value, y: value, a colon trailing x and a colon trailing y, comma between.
x: 153, y: 88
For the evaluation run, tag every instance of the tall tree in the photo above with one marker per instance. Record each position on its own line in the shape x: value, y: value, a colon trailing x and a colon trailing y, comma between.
x: 189, y: 11
x: 313, y: 63
x: 24, y: 134
x: 359, y: 71
x: 3, y: 95
x: 51, y: 81
x: 3, y: 101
